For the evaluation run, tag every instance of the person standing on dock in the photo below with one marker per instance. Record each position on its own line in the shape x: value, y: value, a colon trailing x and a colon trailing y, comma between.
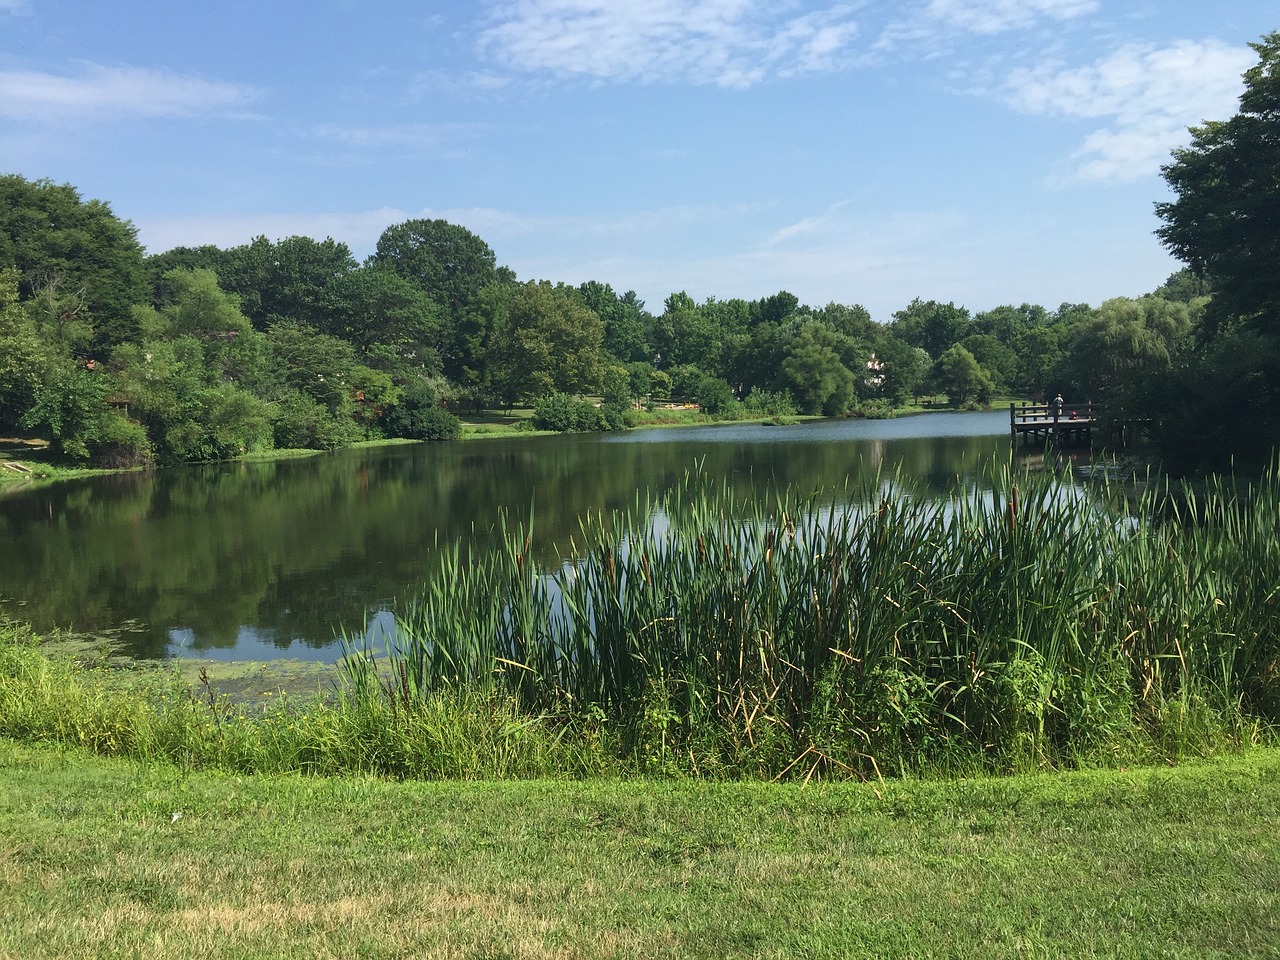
x: 1057, y: 406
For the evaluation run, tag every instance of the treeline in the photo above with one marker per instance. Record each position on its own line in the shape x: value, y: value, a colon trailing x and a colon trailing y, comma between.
x: 206, y: 353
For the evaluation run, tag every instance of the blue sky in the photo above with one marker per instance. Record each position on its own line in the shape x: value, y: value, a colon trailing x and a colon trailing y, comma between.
x: 977, y: 151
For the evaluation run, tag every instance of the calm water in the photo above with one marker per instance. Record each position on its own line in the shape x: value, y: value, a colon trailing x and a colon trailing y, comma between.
x: 267, y: 560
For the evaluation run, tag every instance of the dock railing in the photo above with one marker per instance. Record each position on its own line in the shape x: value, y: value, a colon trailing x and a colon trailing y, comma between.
x: 1070, y: 421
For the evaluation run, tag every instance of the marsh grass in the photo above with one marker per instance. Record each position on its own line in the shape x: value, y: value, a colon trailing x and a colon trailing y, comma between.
x: 158, y: 715
x: 1020, y: 625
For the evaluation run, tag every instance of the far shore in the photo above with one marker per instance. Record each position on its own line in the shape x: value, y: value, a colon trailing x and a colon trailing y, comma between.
x: 25, y: 460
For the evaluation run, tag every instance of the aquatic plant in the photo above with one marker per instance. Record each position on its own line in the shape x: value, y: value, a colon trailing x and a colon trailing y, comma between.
x: 870, y: 630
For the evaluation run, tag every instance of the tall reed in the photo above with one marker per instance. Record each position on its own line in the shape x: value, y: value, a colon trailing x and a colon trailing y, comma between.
x: 871, y: 630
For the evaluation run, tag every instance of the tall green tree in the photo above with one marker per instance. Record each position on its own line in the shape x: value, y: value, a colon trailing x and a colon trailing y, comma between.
x: 1223, y: 222
x: 932, y: 326
x: 549, y: 343
x: 624, y: 319
x: 960, y: 376
x: 296, y: 279
x: 1125, y: 343
x: 79, y: 265
x: 814, y: 373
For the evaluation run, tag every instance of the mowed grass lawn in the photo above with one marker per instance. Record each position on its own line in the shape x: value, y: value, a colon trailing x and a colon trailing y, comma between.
x: 109, y: 858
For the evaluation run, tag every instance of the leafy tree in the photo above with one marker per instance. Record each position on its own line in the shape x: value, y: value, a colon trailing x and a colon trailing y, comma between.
x: 962, y: 378
x: 904, y: 370
x: 775, y: 309
x: 376, y: 307
x: 932, y: 326
x: 685, y: 334
x: 315, y: 364
x: 418, y: 415
x: 1223, y: 222
x: 564, y: 414
x: 853, y: 321
x: 1224, y: 399
x: 615, y: 386
x: 68, y: 407
x: 815, y: 375
x: 550, y: 342
x: 297, y: 279
x: 715, y: 396
x: 753, y: 359
x: 999, y: 360
x: 624, y: 319
x: 77, y: 249
x: 452, y: 266
x: 1008, y: 323
x: 1185, y: 287
x: 206, y: 257
x: 1125, y: 342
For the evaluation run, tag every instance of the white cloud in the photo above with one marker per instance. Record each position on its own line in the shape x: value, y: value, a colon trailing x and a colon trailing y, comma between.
x: 996, y: 16
x: 941, y: 27
x: 730, y: 43
x: 15, y: 6
x: 101, y: 91
x: 1149, y: 96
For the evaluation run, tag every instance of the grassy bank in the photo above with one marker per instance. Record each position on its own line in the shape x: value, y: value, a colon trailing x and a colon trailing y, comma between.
x: 112, y: 858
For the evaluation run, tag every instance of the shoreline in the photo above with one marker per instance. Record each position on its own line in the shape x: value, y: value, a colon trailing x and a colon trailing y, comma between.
x: 22, y: 473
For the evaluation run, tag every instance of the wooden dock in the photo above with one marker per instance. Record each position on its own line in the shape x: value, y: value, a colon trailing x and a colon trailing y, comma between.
x: 1042, y: 422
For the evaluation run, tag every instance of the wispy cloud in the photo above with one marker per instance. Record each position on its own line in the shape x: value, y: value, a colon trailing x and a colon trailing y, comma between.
x: 1149, y: 97
x: 939, y: 29
x: 15, y: 6
x: 101, y: 91
x: 997, y: 16
x: 729, y: 43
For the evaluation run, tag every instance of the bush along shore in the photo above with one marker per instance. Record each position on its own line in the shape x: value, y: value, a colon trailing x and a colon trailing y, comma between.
x: 870, y: 634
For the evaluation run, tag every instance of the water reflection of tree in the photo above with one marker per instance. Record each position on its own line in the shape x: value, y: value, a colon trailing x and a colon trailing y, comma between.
x: 296, y: 549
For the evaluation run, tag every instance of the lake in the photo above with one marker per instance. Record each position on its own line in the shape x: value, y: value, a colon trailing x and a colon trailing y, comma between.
x: 269, y: 560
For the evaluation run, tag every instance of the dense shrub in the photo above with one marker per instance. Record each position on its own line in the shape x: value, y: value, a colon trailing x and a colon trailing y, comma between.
x: 419, y: 416
x: 563, y: 414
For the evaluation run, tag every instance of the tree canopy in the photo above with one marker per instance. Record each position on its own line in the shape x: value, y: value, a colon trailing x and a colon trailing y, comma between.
x: 1225, y: 221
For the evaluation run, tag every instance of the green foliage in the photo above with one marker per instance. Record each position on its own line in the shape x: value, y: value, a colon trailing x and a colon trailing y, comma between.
x: 418, y: 415
x: 934, y: 327
x: 904, y: 371
x: 1125, y: 344
x: 686, y: 334
x: 959, y: 375
x: 616, y: 385
x: 22, y: 354
x: 79, y: 265
x: 815, y: 375
x: 68, y: 405
x: 301, y: 422
x: 1220, y: 404
x: 564, y: 414
x: 714, y: 396
x: 769, y: 403
x: 1222, y: 222
x: 123, y: 443
x: 549, y: 342
x: 901, y: 634
x: 293, y: 279
x: 625, y: 320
